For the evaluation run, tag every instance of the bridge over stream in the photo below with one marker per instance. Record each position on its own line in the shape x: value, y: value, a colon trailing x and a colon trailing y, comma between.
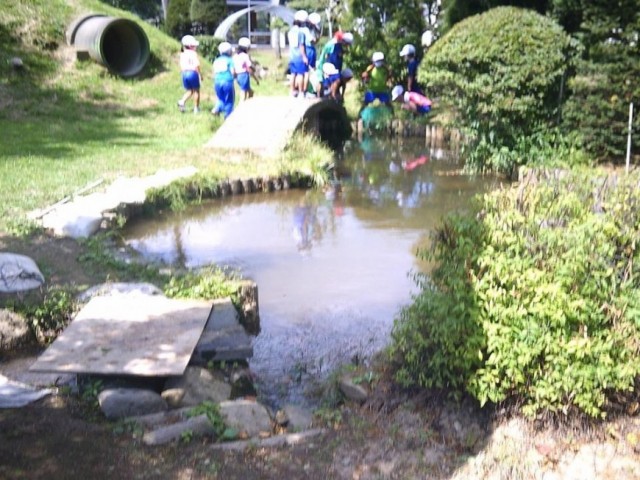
x: 264, y: 125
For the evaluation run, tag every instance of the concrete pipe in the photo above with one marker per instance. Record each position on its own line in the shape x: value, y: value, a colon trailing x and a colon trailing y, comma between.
x: 117, y: 43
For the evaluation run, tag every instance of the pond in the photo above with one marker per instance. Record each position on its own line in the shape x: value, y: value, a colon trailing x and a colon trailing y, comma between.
x: 333, y: 265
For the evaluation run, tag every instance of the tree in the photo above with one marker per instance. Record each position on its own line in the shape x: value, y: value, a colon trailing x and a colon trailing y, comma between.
x: 501, y: 74
x: 207, y: 14
x: 383, y: 26
x: 606, y: 78
x: 178, y: 21
x: 457, y: 10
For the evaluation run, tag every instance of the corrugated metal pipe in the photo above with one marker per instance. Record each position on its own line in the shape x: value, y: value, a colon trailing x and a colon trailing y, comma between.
x: 117, y: 43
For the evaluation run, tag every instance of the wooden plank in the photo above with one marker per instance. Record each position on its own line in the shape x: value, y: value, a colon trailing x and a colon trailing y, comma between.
x: 128, y: 334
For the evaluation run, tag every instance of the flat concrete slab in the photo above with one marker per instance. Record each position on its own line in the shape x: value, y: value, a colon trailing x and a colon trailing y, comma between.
x: 128, y: 334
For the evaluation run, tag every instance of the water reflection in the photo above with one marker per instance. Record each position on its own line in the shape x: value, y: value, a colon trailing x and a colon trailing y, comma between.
x: 332, y: 265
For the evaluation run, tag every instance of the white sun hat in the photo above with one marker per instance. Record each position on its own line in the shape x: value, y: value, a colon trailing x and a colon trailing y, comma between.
x: 377, y: 57
x: 347, y: 38
x: 301, y: 16
x: 315, y: 18
x: 329, y: 69
x: 244, y: 42
x: 396, y: 92
x: 189, y: 41
x: 408, y: 49
x: 224, y: 47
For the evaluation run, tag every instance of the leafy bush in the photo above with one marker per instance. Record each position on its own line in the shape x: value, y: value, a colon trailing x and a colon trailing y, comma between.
x: 501, y: 73
x: 49, y: 317
x: 534, y: 296
x: 207, y: 283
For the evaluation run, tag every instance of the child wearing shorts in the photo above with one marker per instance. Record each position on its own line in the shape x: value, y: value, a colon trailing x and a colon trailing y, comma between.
x: 191, y: 74
x: 223, y: 76
x: 244, y: 68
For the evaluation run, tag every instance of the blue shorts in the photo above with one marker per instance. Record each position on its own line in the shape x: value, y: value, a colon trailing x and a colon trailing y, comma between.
x: 423, y: 109
x: 298, y: 67
x: 190, y: 80
x: 244, y: 81
x: 311, y: 56
x: 370, y: 96
x: 226, y: 97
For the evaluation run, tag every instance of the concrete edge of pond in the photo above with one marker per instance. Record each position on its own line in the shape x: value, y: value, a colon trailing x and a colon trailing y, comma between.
x: 81, y: 216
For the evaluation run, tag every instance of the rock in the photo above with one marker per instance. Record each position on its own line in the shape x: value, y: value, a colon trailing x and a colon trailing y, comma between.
x: 351, y: 390
x: 107, y: 289
x: 14, y: 330
x: 18, y: 273
x: 249, y: 418
x: 197, y: 385
x: 225, y: 344
x: 249, y: 316
x: 194, y: 427
x: 298, y: 418
x: 153, y: 421
x: 16, y: 63
x: 126, y: 402
x: 242, y: 384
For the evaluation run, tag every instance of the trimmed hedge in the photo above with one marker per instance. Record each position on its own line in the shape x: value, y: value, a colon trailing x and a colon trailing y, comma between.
x: 535, y: 297
x: 501, y: 73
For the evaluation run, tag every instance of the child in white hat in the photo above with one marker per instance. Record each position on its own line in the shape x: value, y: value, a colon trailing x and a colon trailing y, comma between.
x: 190, y: 71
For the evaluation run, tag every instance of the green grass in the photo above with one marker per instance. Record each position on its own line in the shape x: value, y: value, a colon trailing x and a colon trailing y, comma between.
x: 67, y: 123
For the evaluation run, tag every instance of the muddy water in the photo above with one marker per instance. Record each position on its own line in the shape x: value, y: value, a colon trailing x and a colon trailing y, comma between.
x: 332, y: 266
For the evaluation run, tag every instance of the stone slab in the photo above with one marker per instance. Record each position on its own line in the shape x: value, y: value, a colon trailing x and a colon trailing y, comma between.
x: 223, y: 344
x: 128, y: 335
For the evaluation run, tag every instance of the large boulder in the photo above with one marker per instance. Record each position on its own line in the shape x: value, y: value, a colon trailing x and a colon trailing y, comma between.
x: 18, y: 273
x: 118, y: 403
x: 197, y: 385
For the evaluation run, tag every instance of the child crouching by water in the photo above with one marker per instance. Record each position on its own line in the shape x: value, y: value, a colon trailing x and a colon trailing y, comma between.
x: 413, y: 101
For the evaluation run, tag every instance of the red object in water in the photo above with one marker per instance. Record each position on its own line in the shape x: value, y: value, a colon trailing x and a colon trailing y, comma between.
x: 415, y: 163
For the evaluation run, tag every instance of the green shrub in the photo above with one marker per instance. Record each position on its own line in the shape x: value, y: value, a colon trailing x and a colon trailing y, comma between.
x: 501, y: 74
x: 533, y: 297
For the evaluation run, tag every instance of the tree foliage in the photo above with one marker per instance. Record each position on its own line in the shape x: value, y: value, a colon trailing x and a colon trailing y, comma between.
x: 534, y: 297
x: 606, y: 78
x: 142, y: 8
x: 178, y: 22
x: 207, y: 14
x: 383, y: 26
x: 501, y: 72
x: 457, y: 10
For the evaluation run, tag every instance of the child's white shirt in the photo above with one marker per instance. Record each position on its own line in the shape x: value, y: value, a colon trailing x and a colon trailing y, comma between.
x: 242, y: 62
x: 189, y: 60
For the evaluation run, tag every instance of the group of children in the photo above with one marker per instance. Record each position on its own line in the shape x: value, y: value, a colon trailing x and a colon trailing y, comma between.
x: 311, y: 75
x: 227, y: 68
x: 377, y: 78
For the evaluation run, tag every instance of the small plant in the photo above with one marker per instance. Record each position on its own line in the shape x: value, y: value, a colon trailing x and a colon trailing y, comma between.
x: 368, y: 377
x: 330, y: 417
x: 48, y: 318
x: 212, y: 411
x: 90, y: 391
x: 186, y: 436
x: 206, y: 283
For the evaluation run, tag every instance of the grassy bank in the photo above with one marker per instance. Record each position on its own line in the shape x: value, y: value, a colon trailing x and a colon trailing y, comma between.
x: 67, y: 123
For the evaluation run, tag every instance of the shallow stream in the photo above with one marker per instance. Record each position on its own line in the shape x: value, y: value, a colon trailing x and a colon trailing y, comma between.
x: 333, y: 266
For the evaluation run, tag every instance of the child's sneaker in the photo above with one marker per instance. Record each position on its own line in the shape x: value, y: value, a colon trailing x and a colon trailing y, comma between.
x: 181, y: 106
x: 196, y: 110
